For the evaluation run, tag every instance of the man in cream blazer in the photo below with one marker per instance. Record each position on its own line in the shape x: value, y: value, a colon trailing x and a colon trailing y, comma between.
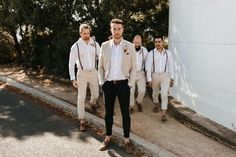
x: 127, y: 66
x: 117, y: 70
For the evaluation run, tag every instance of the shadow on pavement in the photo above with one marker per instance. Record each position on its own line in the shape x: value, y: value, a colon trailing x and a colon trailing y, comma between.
x: 20, y: 117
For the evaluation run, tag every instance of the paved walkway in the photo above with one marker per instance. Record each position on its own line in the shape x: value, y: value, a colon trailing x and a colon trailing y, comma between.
x: 29, y: 129
x: 172, y: 135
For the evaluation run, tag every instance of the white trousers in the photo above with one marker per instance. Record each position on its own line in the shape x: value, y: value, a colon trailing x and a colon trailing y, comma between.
x: 85, y: 77
x: 140, y: 81
x: 161, y: 80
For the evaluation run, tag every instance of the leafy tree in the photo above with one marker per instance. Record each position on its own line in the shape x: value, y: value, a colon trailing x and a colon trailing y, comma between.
x: 6, y: 50
x: 42, y: 31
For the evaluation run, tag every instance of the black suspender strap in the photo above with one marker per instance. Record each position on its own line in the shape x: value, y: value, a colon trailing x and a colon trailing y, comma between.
x: 166, y: 60
x: 153, y: 61
x: 79, y: 56
x: 95, y: 45
x: 143, y: 66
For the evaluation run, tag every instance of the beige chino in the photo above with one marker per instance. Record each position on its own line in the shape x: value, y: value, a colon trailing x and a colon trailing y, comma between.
x: 140, y: 81
x: 162, y: 81
x: 84, y: 78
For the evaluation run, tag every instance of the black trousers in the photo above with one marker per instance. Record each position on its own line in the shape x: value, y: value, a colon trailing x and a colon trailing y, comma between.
x: 120, y: 89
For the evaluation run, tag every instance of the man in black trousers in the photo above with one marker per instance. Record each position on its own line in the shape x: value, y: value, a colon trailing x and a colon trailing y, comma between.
x: 117, y: 70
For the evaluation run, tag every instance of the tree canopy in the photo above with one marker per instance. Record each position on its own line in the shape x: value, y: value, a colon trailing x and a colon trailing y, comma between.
x: 39, y: 33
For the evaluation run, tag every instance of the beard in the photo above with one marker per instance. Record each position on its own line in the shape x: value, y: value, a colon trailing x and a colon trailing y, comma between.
x: 159, y: 47
x: 137, y: 48
x: 117, y: 36
x: 86, y: 38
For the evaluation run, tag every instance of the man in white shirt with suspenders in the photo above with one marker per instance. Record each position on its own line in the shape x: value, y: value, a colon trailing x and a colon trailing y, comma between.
x: 84, y: 53
x: 159, y: 68
x: 140, y: 79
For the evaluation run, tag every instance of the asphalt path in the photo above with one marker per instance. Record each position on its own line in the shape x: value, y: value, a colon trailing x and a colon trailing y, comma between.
x: 28, y: 129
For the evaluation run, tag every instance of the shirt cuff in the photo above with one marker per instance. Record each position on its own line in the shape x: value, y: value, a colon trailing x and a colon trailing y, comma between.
x: 101, y: 83
x: 172, y: 76
x: 72, y: 78
x: 149, y: 79
x: 130, y: 85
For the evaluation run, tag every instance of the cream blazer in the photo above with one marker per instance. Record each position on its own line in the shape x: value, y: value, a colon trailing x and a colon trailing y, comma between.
x: 129, y: 66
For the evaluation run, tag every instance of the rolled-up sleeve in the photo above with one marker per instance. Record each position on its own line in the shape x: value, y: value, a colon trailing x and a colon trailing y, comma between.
x: 171, y: 66
x: 72, y: 61
x: 149, y: 66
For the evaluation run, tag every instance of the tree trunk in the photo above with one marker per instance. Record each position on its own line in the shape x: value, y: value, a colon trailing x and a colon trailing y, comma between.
x: 19, y: 58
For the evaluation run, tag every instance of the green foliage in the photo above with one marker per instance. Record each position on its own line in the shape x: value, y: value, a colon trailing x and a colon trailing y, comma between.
x: 48, y: 28
x: 6, y: 51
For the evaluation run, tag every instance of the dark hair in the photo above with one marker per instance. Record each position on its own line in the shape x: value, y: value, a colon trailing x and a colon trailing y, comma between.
x: 159, y: 37
x: 117, y: 21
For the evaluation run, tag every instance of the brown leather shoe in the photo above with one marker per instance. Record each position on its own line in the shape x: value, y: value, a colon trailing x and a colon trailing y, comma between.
x: 155, y: 109
x: 104, y: 146
x: 140, y: 109
x: 97, y: 105
x: 163, y: 118
x: 83, y: 127
x: 129, y: 148
x: 131, y: 111
x: 93, y: 108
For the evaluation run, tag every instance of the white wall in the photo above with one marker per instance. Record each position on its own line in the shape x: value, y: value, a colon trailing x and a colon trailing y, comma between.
x: 202, y: 38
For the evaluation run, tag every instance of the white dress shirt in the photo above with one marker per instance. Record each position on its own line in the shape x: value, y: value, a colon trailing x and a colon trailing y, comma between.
x: 163, y: 61
x: 88, y: 55
x: 115, y: 72
x: 141, y: 58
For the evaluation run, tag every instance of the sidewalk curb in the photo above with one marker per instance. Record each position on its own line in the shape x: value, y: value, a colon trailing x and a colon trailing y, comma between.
x: 203, y: 124
x: 140, y: 143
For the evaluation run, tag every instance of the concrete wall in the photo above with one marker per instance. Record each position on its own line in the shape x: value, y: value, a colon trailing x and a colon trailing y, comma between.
x: 202, y: 38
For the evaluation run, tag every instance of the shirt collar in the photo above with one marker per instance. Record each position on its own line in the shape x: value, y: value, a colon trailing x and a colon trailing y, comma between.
x: 163, y: 51
x: 139, y: 51
x: 82, y: 41
x: 113, y: 44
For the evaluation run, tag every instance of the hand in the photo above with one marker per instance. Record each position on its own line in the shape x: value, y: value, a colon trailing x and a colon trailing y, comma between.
x: 101, y: 84
x: 171, y: 83
x: 150, y: 83
x: 74, y: 83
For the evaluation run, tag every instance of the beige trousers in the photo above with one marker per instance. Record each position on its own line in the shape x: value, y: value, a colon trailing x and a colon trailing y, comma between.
x: 140, y: 81
x: 160, y: 80
x: 85, y: 77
